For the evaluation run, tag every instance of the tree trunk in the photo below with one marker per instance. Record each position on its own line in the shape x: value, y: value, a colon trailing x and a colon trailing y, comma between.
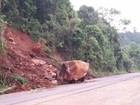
x: 0, y: 6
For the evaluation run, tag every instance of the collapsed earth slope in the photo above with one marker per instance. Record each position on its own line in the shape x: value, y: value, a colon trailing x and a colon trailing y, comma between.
x: 23, y: 64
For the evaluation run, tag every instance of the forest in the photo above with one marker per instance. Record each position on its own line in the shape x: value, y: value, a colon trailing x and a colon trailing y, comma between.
x: 130, y: 44
x: 82, y: 34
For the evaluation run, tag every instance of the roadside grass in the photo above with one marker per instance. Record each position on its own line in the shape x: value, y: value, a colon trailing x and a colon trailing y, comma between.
x: 19, y: 78
x: 7, y: 79
x: 100, y: 73
x: 115, y: 72
x: 4, y: 88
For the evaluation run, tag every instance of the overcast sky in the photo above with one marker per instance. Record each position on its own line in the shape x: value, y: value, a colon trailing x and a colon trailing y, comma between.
x: 129, y: 8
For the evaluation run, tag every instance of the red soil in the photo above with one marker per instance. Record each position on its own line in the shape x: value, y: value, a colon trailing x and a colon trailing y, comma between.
x: 25, y: 58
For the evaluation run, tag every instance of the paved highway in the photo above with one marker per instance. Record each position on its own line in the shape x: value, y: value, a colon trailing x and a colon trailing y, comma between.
x: 113, y: 90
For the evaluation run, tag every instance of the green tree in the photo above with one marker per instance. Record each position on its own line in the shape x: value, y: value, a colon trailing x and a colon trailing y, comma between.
x: 88, y: 15
x: 108, y: 14
x: 84, y: 34
x: 134, y: 52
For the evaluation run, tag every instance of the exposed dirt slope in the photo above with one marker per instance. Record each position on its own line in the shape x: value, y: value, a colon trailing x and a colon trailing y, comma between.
x: 24, y: 58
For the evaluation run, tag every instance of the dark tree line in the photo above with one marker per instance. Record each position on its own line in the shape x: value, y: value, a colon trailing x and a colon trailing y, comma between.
x: 78, y: 35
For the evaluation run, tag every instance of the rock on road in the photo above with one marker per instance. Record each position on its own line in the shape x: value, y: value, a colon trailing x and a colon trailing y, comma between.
x: 113, y: 90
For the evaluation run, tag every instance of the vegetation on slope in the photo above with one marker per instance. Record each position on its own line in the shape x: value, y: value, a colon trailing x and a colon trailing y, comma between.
x: 130, y: 43
x: 128, y: 37
x: 1, y: 38
x: 80, y: 35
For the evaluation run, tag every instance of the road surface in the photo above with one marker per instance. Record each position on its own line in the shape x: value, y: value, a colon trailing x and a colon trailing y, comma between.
x: 113, y: 90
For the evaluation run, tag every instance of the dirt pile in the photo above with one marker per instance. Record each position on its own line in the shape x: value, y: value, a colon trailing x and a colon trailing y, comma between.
x: 24, y: 64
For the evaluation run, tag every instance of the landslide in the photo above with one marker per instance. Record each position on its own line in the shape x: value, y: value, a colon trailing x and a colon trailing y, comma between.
x: 23, y: 64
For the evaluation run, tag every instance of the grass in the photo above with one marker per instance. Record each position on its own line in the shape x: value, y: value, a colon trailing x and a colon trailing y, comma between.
x: 12, y: 78
x: 22, y: 80
x: 4, y: 88
x: 100, y: 73
x: 1, y: 38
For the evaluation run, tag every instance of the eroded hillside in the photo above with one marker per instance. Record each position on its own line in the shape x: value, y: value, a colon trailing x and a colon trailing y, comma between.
x: 23, y: 64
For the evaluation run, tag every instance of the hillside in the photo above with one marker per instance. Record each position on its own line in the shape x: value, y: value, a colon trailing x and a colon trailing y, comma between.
x: 128, y: 37
x: 24, y: 64
x: 130, y: 43
x: 40, y: 34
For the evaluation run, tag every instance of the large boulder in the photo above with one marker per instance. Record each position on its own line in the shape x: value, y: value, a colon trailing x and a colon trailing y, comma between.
x: 73, y: 71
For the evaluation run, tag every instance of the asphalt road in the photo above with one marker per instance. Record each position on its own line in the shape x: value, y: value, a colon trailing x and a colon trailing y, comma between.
x: 113, y: 90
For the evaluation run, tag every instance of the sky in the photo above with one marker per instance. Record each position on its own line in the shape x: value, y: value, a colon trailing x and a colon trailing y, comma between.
x: 129, y: 8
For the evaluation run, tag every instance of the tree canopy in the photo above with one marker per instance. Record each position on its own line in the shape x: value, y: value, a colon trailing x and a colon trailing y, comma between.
x: 81, y: 34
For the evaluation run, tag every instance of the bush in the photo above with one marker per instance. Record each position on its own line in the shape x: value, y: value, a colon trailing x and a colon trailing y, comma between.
x: 7, y: 79
x: 22, y: 80
x: 47, y: 49
x: 1, y: 38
